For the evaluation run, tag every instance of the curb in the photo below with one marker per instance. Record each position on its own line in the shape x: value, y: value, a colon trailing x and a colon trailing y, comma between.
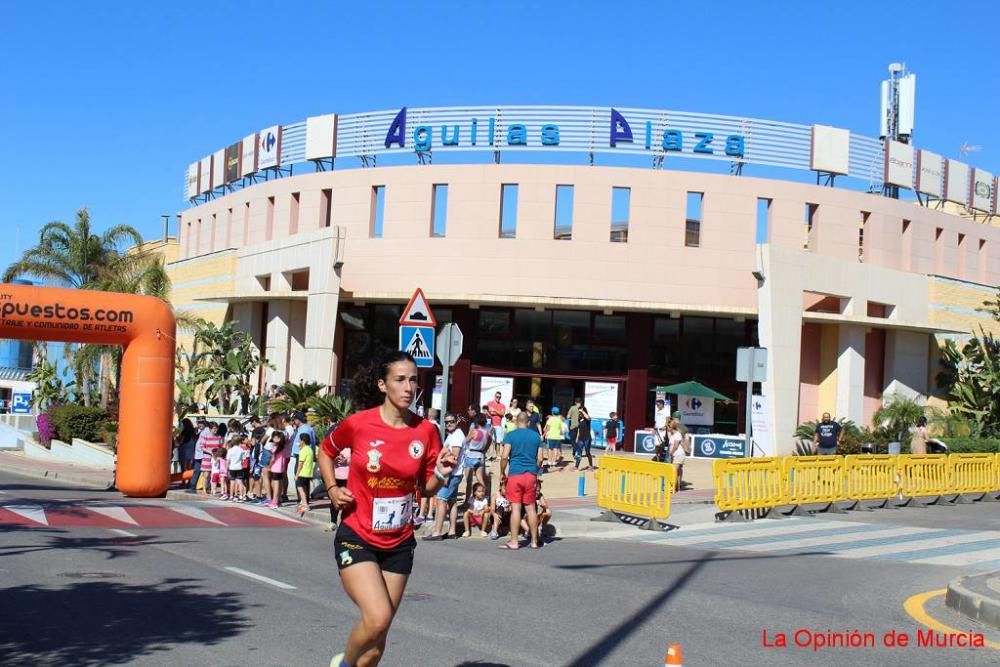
x: 65, y: 478
x: 312, y: 517
x: 974, y: 597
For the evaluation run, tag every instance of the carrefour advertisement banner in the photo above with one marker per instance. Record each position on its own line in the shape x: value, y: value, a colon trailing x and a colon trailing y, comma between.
x: 600, y: 399
x: 696, y: 410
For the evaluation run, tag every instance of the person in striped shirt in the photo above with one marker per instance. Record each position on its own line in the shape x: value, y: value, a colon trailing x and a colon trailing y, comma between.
x: 209, y: 443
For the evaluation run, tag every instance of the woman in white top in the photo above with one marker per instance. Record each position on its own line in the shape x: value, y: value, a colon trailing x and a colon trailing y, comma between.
x: 675, y: 442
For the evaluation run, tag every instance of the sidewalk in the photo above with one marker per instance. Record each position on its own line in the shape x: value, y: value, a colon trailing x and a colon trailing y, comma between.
x: 977, y: 597
x: 94, y: 478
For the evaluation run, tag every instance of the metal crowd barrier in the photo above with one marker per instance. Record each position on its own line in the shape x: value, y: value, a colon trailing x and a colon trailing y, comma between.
x: 765, y: 484
x: 631, y: 489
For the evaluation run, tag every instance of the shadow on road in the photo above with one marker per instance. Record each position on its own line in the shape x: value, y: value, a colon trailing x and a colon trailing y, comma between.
x: 107, y: 623
x: 112, y: 547
x: 598, y: 652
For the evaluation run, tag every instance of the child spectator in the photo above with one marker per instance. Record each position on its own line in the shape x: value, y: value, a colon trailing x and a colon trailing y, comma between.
x: 500, y: 511
x: 223, y: 473
x: 611, y: 432
x: 478, y: 511
x: 305, y: 467
x: 209, y: 443
x: 214, y: 466
x: 279, y: 463
x: 543, y: 510
x: 234, y: 463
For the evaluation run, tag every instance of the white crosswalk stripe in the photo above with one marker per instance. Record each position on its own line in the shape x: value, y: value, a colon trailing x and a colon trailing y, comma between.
x: 196, y: 513
x: 34, y: 513
x: 114, y: 512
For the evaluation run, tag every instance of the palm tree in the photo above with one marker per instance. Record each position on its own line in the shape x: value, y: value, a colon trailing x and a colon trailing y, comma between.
x: 295, y: 396
x: 72, y: 256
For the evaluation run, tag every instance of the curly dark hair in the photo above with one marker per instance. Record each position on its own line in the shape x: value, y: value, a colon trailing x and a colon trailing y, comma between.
x: 364, y: 383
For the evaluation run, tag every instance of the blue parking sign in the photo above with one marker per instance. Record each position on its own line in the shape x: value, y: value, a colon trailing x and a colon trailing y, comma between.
x: 20, y: 404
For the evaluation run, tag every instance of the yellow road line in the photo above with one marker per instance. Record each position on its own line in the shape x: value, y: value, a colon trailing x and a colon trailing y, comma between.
x: 914, y: 606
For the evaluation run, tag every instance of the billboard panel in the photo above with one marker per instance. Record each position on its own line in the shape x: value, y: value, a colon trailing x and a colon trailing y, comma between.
x: 981, y: 190
x: 831, y: 149
x: 956, y: 182
x: 248, y: 162
x: 996, y: 196
x: 219, y: 168
x: 907, y: 101
x: 930, y: 173
x: 898, y: 164
x: 205, y: 175
x: 234, y: 153
x: 191, y: 191
x: 269, y: 147
x: 321, y: 137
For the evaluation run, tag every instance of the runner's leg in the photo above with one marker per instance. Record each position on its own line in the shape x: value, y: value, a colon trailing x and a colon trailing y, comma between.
x: 377, y: 594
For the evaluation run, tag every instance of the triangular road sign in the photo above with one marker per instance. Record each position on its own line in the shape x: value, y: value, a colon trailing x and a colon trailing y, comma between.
x: 417, y: 312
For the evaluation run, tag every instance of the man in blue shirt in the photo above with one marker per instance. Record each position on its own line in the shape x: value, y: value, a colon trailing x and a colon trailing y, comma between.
x: 520, y: 461
x: 828, y: 435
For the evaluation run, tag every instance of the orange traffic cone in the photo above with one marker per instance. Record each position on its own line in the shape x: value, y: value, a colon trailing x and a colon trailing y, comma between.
x: 673, y: 658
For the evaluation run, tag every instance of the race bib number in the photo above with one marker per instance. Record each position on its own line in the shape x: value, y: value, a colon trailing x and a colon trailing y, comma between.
x: 389, y: 514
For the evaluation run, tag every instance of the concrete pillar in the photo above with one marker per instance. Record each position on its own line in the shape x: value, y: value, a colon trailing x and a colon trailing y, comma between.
x: 277, y: 341
x: 321, y: 322
x: 851, y: 373
x: 906, y: 364
x: 779, y: 329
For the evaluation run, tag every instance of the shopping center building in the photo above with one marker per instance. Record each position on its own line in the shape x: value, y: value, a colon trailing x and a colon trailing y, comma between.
x: 577, y: 245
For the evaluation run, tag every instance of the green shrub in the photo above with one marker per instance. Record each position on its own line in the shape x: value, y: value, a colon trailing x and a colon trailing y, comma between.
x: 78, y: 421
x: 972, y: 445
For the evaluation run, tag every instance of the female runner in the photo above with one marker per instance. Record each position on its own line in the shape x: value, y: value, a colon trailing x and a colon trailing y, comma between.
x: 394, y: 454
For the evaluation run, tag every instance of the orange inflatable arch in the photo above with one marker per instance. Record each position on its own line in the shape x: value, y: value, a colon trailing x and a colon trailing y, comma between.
x: 145, y: 327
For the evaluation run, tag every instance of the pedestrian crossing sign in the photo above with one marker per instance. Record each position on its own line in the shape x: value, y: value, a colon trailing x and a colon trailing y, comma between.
x: 419, y: 343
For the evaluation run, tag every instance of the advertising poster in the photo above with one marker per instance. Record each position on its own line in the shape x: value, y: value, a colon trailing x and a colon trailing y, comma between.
x: 234, y: 153
x: 489, y: 385
x: 718, y: 446
x: 696, y: 410
x: 760, y: 428
x: 600, y: 399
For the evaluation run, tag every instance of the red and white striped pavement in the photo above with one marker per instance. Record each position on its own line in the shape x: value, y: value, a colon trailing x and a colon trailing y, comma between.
x: 87, y: 513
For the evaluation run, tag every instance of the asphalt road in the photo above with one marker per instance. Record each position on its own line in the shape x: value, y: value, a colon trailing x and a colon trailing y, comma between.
x: 191, y: 595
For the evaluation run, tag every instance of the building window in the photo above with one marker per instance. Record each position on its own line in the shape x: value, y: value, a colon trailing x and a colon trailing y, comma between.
x: 763, y: 220
x: 981, y: 261
x: 269, y: 223
x: 508, y: 211
x: 377, y: 211
x: 621, y: 202
x: 907, y: 249
x: 293, y: 214
x: 229, y: 228
x: 692, y: 221
x: 563, y: 230
x: 187, y: 240
x: 961, y: 256
x: 439, y: 211
x: 862, y: 223
x: 938, y: 250
x: 211, y: 234
x: 810, y: 220
x: 326, y: 207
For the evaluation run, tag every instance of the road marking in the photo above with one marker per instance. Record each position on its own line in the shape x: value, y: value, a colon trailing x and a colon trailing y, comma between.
x: 259, y: 577
x: 269, y: 512
x: 34, y: 513
x: 962, y: 554
x: 904, y: 549
x: 116, y: 513
x: 196, y: 513
x: 723, y: 532
x: 123, y: 533
x: 831, y: 540
x: 914, y: 606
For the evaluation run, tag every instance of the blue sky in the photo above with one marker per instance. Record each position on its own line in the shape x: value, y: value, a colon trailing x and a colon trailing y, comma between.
x: 104, y: 104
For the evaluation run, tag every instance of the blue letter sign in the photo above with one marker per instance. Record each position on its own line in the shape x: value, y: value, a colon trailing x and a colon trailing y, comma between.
x: 397, y: 131
x: 620, y: 130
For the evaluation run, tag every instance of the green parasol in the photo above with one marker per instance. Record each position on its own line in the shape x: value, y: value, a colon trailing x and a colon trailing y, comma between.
x: 694, y: 388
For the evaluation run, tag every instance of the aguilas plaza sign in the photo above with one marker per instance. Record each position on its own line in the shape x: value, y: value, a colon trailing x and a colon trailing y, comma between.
x: 485, y: 134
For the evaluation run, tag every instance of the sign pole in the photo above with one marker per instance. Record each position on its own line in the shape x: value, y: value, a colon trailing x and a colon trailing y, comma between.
x: 445, y: 377
x: 749, y: 399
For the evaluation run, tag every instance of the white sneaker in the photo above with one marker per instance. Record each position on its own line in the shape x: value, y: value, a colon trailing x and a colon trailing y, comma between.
x: 336, y: 660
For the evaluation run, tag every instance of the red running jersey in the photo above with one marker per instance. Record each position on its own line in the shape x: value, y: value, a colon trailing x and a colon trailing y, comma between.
x: 387, y: 466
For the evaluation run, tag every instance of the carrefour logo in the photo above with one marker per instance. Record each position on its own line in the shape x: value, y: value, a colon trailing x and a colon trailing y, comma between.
x: 694, y: 404
x: 982, y: 189
x: 267, y: 142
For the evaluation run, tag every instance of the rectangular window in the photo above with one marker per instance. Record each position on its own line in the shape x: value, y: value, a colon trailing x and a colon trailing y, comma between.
x: 810, y: 220
x: 246, y: 224
x: 229, y: 228
x: 938, y: 250
x: 563, y: 230
x: 621, y: 204
x: 326, y: 207
x: 211, y: 235
x: 293, y: 215
x: 269, y: 221
x: 961, y: 256
x: 981, y: 261
x: 508, y: 211
x: 862, y: 223
x: 907, y: 249
x: 763, y: 220
x: 439, y: 211
x: 377, y: 211
x: 692, y: 220
x: 188, y: 240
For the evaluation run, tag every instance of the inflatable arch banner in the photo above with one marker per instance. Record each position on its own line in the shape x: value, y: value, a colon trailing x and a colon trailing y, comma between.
x: 145, y: 327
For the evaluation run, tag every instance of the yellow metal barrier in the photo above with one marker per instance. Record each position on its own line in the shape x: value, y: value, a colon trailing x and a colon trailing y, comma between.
x: 972, y: 473
x: 812, y: 479
x: 870, y: 477
x: 742, y: 484
x: 923, y: 475
x: 635, y: 487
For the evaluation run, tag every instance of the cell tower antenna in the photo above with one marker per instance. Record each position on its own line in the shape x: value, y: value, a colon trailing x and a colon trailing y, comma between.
x: 897, y: 110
